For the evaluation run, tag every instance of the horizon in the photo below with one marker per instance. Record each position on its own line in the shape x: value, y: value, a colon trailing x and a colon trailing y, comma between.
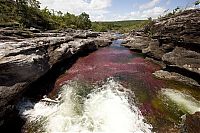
x: 116, y: 10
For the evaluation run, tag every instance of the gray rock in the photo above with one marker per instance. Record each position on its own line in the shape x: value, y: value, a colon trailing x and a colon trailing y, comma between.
x: 25, y: 60
x: 137, y: 42
x: 102, y: 42
x: 175, y: 77
x: 183, y: 58
x: 154, y: 51
x: 181, y: 27
x: 174, y: 40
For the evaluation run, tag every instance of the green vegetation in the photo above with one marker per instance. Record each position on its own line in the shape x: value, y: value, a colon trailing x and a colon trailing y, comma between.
x: 27, y: 13
x: 120, y: 26
x: 197, y: 3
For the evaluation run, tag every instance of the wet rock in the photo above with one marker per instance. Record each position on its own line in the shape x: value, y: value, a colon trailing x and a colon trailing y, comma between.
x: 175, y: 77
x: 23, y: 61
x: 192, y: 123
x: 183, y: 58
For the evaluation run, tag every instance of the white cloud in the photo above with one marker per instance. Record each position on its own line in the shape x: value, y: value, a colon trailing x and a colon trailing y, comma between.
x: 154, y: 12
x: 141, y: 14
x: 100, y: 4
x: 98, y: 9
x: 95, y: 8
x: 149, y: 5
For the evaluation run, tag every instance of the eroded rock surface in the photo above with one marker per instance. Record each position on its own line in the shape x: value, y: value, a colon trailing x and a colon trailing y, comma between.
x: 161, y: 74
x: 25, y: 56
x: 174, y: 40
x: 183, y: 58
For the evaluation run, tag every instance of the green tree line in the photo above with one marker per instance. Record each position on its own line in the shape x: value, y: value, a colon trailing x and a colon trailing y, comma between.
x: 120, y: 26
x: 27, y: 13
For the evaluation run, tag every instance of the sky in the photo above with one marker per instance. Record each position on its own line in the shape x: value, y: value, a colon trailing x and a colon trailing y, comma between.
x: 115, y: 10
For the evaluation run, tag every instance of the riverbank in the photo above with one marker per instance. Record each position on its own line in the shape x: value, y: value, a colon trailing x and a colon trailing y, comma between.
x: 173, y: 43
x: 28, y: 54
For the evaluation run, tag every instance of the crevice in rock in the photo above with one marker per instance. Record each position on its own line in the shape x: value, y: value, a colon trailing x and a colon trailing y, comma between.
x: 189, y: 46
x: 183, y: 72
x: 42, y: 86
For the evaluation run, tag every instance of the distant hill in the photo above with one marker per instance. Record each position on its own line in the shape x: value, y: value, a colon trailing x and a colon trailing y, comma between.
x: 121, y: 26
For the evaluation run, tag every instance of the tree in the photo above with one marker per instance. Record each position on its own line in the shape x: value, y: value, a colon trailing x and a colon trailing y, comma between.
x: 84, y: 21
x: 197, y: 3
x: 29, y: 14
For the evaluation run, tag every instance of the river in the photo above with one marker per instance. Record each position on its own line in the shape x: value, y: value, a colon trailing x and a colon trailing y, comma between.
x: 111, y: 90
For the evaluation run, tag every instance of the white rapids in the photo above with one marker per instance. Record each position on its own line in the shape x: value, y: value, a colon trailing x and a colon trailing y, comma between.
x: 105, y: 109
x: 184, y: 101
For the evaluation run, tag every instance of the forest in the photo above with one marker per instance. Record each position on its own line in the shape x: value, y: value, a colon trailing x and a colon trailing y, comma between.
x: 27, y: 13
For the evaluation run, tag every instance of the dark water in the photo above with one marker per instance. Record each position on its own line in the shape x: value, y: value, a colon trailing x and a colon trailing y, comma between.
x: 161, y: 103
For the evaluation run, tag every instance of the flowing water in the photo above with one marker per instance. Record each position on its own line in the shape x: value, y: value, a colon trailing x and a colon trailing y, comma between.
x: 110, y: 90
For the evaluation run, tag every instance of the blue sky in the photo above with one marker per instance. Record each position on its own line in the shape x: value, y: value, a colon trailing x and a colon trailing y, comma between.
x: 109, y: 10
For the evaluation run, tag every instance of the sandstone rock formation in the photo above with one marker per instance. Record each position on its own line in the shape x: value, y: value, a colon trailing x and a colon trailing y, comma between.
x: 25, y: 56
x: 174, y: 40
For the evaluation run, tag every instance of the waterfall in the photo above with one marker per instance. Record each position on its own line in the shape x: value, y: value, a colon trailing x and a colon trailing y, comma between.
x: 105, y: 108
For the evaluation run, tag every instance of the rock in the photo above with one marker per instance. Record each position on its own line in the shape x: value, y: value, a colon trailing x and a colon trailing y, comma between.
x: 183, y: 26
x: 137, y: 43
x: 85, y: 34
x: 173, y: 40
x: 108, y: 35
x: 160, y: 63
x: 16, y: 32
x: 49, y: 34
x: 192, y: 123
x: 23, y: 61
x: 10, y: 24
x: 176, y: 77
x: 154, y: 51
x: 183, y: 58
x: 92, y: 34
x: 167, y: 47
x: 102, y: 42
x: 34, y: 30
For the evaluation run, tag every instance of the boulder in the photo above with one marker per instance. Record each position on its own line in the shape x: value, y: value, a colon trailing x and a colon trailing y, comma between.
x: 137, y: 42
x: 102, y: 42
x: 153, y: 50
x: 183, y: 58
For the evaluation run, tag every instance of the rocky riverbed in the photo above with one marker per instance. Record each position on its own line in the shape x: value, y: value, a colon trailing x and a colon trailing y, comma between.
x: 173, y: 43
x: 28, y: 54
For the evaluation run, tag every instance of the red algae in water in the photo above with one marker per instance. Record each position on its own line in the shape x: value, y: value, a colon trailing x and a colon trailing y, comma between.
x: 109, y: 62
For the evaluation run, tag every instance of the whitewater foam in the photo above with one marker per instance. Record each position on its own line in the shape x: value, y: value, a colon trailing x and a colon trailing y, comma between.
x: 105, y: 109
x: 184, y: 101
